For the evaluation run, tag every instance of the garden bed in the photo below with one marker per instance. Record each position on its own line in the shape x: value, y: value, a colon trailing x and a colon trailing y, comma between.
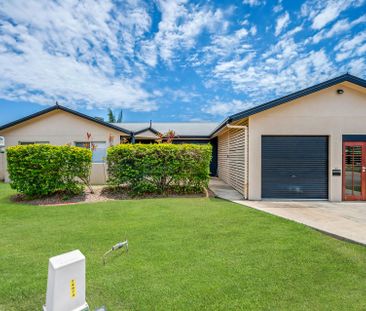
x: 101, y: 193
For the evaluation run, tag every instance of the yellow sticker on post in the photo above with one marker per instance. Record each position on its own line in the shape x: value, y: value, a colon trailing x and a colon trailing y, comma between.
x: 72, y: 288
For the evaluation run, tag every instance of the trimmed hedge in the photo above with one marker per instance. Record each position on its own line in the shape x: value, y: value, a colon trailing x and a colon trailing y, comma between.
x: 157, y: 168
x: 40, y: 170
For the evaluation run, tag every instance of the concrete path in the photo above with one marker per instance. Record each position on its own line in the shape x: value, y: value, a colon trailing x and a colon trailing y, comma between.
x: 344, y: 220
x: 223, y: 191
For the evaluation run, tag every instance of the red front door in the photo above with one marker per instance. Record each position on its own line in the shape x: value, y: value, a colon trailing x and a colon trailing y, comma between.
x: 354, y: 171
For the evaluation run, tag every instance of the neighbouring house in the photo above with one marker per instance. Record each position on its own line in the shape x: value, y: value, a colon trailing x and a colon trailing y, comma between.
x: 59, y: 125
x: 184, y: 132
x: 307, y: 145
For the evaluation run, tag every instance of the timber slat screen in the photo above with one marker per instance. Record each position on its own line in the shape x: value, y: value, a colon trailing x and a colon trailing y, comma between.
x: 233, y: 159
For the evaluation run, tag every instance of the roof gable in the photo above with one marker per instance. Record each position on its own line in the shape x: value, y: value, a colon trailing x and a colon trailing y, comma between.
x: 285, y: 99
x: 147, y: 133
x: 68, y: 110
x: 315, y: 88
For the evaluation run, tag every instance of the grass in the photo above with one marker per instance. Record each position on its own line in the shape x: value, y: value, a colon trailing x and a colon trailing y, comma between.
x: 185, y: 254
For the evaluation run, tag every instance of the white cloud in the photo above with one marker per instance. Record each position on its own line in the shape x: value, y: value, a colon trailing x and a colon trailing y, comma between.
x: 340, y: 26
x: 293, y: 31
x: 104, y: 53
x: 148, y: 53
x: 233, y: 65
x: 253, y: 30
x: 226, y: 108
x: 323, y: 12
x: 254, y: 2
x: 95, y: 53
x: 282, y: 23
x: 278, y: 7
x: 288, y: 64
x: 226, y: 45
x: 181, y: 24
x: 181, y: 95
x: 351, y: 47
x: 357, y: 66
x: 325, y: 16
x: 73, y: 52
x: 286, y: 67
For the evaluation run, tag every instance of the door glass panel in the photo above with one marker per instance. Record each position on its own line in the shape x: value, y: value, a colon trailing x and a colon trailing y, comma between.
x: 353, y: 165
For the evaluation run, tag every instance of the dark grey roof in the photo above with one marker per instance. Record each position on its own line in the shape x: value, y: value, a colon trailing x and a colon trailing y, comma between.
x: 181, y: 129
x: 198, y: 129
x: 279, y: 101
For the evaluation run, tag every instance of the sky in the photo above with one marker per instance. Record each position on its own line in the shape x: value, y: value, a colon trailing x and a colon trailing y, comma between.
x: 172, y: 60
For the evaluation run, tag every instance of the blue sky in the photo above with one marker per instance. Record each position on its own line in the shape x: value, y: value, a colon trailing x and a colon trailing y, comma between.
x: 172, y: 60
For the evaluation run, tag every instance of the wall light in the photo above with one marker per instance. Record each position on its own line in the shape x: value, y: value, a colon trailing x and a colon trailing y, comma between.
x: 340, y: 91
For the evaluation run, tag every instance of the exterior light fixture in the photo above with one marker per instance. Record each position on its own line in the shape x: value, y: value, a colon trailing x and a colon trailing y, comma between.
x: 340, y: 91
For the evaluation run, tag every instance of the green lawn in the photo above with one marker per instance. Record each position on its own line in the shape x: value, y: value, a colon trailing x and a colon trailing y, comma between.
x: 185, y: 254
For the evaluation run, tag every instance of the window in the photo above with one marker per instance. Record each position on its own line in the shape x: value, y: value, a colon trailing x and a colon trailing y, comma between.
x: 99, y: 149
x: 33, y: 142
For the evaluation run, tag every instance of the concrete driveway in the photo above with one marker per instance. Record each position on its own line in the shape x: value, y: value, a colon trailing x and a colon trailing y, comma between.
x: 345, y: 220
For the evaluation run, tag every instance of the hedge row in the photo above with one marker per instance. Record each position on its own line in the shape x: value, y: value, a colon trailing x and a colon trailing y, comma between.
x: 38, y: 170
x: 156, y: 168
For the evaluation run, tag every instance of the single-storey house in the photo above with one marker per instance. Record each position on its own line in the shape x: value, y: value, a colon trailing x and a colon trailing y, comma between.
x: 59, y: 125
x: 307, y: 145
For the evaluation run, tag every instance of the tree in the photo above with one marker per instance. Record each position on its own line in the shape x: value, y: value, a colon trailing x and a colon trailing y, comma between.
x: 168, y: 136
x: 120, y: 117
x: 111, y: 117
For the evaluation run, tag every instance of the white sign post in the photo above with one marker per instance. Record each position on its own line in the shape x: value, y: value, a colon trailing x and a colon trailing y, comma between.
x: 66, y: 283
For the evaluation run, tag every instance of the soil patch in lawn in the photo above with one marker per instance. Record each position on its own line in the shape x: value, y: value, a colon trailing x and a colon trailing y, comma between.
x: 101, y: 193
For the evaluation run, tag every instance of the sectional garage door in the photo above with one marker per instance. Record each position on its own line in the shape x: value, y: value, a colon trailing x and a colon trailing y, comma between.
x: 295, y: 167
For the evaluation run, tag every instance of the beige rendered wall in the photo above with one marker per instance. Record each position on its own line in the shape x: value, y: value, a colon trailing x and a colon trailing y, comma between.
x: 2, y: 166
x: 59, y: 128
x: 322, y: 113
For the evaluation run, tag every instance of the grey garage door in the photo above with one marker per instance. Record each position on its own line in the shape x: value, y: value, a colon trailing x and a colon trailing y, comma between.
x: 295, y: 167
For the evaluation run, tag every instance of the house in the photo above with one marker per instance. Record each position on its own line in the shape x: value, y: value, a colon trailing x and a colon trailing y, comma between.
x: 60, y: 125
x: 307, y: 145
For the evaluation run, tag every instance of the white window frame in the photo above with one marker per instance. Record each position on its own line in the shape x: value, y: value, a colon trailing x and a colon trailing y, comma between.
x: 94, y: 142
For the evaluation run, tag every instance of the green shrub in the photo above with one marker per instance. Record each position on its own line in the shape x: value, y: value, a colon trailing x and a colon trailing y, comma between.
x: 39, y: 170
x: 157, y: 168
